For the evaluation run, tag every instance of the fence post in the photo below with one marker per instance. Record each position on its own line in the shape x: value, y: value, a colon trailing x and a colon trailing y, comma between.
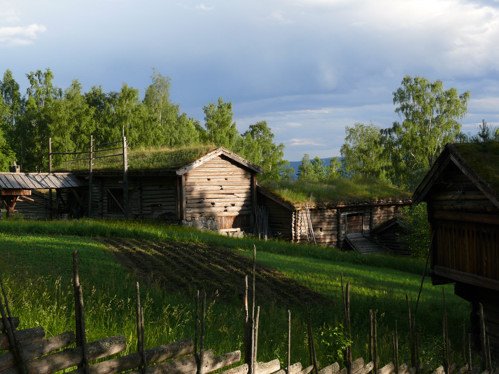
x: 125, y: 174
x: 79, y: 315
x: 50, y: 171
x: 289, y: 341
x: 140, y: 332
x: 90, y: 174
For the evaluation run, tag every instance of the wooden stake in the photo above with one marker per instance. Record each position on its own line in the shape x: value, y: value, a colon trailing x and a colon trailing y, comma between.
x: 373, y: 340
x: 9, y: 330
x: 125, y: 174
x: 50, y: 171
x: 140, y: 332
x: 483, y: 337
x: 346, y: 321
x: 412, y: 335
x: 289, y: 341
x: 311, y: 346
x: 79, y: 315
x: 203, y: 333
x: 90, y: 174
x: 470, y: 363
x: 255, y: 339
x: 396, y: 347
x: 247, y: 326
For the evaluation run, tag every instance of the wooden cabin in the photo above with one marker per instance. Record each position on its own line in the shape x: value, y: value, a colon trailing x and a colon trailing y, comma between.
x: 329, y: 223
x: 462, y: 195
x: 213, y: 189
x: 39, y: 195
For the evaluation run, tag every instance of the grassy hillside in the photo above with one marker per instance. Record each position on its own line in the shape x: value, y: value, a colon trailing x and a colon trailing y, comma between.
x: 35, y: 259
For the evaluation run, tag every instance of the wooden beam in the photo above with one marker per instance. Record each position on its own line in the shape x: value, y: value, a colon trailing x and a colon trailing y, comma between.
x: 491, y: 219
x: 15, y: 192
x: 466, y: 278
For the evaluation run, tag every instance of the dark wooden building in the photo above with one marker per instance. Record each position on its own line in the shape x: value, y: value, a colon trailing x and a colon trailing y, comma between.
x: 326, y: 223
x: 214, y: 190
x: 462, y: 195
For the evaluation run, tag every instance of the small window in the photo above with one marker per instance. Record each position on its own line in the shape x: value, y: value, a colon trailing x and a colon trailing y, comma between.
x: 115, y: 201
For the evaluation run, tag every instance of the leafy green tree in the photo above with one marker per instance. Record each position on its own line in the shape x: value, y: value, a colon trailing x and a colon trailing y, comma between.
x: 166, y: 125
x: 32, y: 129
x: 71, y: 121
x: 334, y: 170
x: 257, y: 146
x: 305, y: 167
x: 363, y: 151
x: 430, y: 117
x: 6, y: 154
x: 221, y: 130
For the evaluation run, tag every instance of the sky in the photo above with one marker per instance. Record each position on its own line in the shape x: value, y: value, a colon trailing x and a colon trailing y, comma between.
x: 307, y: 67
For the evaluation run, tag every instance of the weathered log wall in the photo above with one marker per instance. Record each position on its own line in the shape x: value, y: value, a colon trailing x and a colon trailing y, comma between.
x: 330, y: 225
x: 219, y: 195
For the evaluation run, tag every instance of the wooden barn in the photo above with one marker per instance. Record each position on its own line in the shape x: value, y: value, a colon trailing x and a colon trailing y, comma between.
x: 334, y: 220
x: 201, y: 187
x: 462, y: 195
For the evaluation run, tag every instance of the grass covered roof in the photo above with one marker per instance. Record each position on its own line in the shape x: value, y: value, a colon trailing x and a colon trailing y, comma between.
x: 483, y: 159
x: 336, y: 191
x: 145, y: 159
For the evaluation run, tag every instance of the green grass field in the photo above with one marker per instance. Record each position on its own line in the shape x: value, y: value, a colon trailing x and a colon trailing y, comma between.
x: 35, y: 262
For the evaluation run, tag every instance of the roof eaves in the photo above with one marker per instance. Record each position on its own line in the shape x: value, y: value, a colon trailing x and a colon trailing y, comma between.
x: 211, y: 155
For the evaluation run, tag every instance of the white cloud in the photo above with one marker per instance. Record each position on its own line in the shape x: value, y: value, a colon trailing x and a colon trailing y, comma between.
x: 204, y: 7
x: 20, y: 35
x: 299, y: 142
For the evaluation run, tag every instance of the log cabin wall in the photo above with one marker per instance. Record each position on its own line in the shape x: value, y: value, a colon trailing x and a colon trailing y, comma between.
x: 330, y: 225
x: 149, y: 197
x: 219, y: 195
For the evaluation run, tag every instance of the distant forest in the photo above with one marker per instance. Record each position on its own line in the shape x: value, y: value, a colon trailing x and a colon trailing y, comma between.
x: 399, y: 154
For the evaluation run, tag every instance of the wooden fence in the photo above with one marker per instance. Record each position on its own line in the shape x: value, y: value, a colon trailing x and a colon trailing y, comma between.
x: 29, y: 351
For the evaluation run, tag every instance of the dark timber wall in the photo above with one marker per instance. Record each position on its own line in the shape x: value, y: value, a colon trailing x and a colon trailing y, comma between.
x: 150, y: 197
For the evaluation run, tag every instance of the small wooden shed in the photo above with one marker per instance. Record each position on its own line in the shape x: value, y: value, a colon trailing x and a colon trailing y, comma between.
x: 201, y: 187
x: 462, y: 195
x: 30, y: 193
x: 325, y: 222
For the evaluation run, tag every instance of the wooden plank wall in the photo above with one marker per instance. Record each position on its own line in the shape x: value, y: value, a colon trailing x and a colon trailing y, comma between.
x: 466, y: 226
x: 222, y: 190
x: 149, y: 197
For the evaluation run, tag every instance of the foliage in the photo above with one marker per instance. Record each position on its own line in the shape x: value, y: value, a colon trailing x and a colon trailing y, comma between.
x: 335, y: 341
x: 418, y: 239
x: 404, y: 152
x: 430, y: 117
x: 221, y: 129
x: 363, y: 151
x: 69, y: 117
x: 257, y: 146
x: 314, y: 170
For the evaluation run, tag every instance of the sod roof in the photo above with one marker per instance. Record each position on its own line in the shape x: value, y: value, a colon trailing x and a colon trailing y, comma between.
x: 339, y: 191
x: 483, y: 159
x: 158, y: 159
x: 478, y: 161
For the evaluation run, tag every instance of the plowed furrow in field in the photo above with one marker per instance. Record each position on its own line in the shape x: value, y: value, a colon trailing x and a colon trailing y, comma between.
x: 191, y: 267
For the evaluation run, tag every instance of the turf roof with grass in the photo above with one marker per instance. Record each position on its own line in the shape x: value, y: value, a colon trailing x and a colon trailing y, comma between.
x: 150, y: 159
x: 483, y: 159
x: 336, y: 192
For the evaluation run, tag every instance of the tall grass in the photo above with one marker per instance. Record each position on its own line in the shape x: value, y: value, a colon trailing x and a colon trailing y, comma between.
x: 35, y: 260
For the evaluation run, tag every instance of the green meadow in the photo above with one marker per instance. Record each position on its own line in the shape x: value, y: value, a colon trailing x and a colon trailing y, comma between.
x: 35, y: 264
